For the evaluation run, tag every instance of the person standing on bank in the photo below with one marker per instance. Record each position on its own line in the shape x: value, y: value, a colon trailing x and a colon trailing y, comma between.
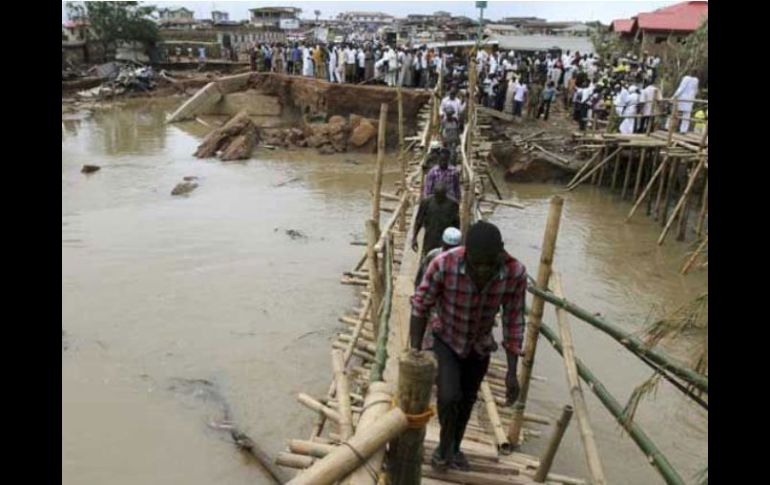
x: 466, y: 287
x: 435, y: 214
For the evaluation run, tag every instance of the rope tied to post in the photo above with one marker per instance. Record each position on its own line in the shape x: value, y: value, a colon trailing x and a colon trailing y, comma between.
x: 418, y: 421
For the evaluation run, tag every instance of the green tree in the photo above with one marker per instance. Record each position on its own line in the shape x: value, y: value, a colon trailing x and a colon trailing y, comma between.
x: 114, y: 22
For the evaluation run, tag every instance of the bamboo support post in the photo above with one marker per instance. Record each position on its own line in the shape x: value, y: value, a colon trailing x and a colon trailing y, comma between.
x: 553, y: 446
x: 503, y: 445
x: 670, y: 183
x: 682, y: 199
x: 639, y: 173
x: 593, y: 170
x: 535, y: 317
x: 416, y: 375
x: 599, y: 153
x: 629, y: 341
x: 651, y: 119
x: 695, y: 255
x: 653, y: 454
x: 381, y: 352
x: 347, y: 457
x: 345, y: 425
x: 378, y: 402
x: 655, y: 164
x: 401, y: 156
x: 661, y: 188
x: 380, y: 162
x: 627, y: 175
x: 672, y: 122
x: 704, y: 204
x: 615, y: 172
x: 684, y: 216
x: 375, y: 278
x: 646, y: 190
x: 576, y: 392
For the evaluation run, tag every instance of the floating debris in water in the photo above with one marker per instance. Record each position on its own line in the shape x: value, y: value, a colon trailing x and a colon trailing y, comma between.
x: 184, y: 188
x: 90, y: 168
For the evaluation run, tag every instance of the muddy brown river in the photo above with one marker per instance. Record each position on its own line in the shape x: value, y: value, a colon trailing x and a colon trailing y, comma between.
x: 179, y: 310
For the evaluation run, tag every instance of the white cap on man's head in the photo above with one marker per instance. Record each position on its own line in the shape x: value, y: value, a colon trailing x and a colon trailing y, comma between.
x: 452, y: 236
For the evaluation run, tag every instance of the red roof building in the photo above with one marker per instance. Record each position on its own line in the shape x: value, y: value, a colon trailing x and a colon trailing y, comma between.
x: 656, y: 27
x: 682, y: 17
x: 622, y: 26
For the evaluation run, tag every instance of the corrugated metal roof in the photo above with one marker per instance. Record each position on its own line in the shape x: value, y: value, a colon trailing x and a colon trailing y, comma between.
x: 544, y: 42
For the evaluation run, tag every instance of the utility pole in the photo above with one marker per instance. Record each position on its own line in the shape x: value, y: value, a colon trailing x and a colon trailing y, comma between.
x: 481, y: 6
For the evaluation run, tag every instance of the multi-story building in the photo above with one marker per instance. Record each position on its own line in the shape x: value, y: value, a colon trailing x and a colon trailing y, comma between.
x: 366, y: 18
x: 176, y: 18
x: 286, y: 18
x: 219, y: 16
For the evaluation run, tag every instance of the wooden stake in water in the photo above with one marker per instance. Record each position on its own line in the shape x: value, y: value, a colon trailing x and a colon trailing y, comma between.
x: 553, y: 446
x: 535, y: 317
x: 578, y: 399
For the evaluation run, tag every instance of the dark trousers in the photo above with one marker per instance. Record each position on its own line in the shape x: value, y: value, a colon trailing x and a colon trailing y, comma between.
x: 458, y: 384
x: 545, y: 106
x: 643, y: 123
x: 268, y: 64
x: 517, y: 105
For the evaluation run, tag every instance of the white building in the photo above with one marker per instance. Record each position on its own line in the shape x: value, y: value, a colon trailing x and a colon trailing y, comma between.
x: 377, y: 18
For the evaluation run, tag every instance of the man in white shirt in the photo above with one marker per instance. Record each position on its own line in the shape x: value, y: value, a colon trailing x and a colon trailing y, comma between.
x: 333, y: 76
x: 350, y: 64
x: 687, y: 91
x: 519, y: 96
x: 649, y: 97
x: 392, y: 59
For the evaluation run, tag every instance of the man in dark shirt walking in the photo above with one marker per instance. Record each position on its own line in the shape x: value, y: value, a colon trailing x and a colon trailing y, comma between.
x: 466, y: 287
x: 436, y: 213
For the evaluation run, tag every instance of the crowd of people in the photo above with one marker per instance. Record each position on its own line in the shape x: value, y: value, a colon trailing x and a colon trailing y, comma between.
x: 350, y: 62
x: 588, y: 86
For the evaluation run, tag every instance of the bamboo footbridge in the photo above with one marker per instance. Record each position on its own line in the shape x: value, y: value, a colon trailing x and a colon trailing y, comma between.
x: 376, y: 422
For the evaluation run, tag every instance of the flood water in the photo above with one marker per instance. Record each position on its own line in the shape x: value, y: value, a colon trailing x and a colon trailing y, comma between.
x: 175, y: 308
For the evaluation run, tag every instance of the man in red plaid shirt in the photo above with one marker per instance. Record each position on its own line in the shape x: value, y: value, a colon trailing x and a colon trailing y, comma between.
x: 467, y: 286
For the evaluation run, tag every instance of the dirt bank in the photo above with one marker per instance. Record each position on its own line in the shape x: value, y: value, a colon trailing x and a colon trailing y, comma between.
x: 312, y: 96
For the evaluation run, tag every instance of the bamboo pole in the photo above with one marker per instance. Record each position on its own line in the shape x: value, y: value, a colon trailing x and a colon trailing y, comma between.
x: 651, y: 119
x: 593, y: 170
x: 347, y: 457
x: 682, y: 199
x: 310, y: 448
x: 345, y: 425
x: 402, y: 158
x: 292, y: 460
x: 535, y: 317
x: 578, y: 399
x: 416, y: 375
x: 315, y: 405
x: 627, y: 176
x: 646, y: 190
x: 639, y: 173
x: 684, y: 216
x: 653, y: 454
x: 553, y: 445
x: 585, y: 166
x: 503, y: 445
x: 629, y: 341
x: 380, y: 162
x: 375, y: 278
x: 381, y: 355
x: 672, y: 122
x: 704, y: 204
x: 600, y: 178
x: 695, y: 255
x: 615, y: 173
x: 670, y: 183
x: 659, y: 195
x: 655, y: 164
x: 377, y: 403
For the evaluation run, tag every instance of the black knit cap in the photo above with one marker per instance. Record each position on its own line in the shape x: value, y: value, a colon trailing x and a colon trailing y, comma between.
x: 484, y: 238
